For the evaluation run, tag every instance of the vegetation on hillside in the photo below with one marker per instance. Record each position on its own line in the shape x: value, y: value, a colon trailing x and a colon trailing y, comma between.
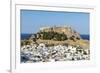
x: 53, y: 36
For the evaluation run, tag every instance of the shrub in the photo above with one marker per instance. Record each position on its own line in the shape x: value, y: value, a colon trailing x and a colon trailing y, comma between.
x: 25, y: 42
x: 72, y: 38
x: 77, y: 38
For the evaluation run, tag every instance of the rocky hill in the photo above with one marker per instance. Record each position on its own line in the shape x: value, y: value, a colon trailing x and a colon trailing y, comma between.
x: 56, y: 34
x: 59, y: 35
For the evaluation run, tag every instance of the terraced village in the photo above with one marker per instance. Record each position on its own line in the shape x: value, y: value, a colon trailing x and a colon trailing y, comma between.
x: 51, y: 44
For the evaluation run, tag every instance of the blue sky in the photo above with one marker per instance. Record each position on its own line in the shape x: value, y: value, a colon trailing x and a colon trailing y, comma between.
x: 32, y: 20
